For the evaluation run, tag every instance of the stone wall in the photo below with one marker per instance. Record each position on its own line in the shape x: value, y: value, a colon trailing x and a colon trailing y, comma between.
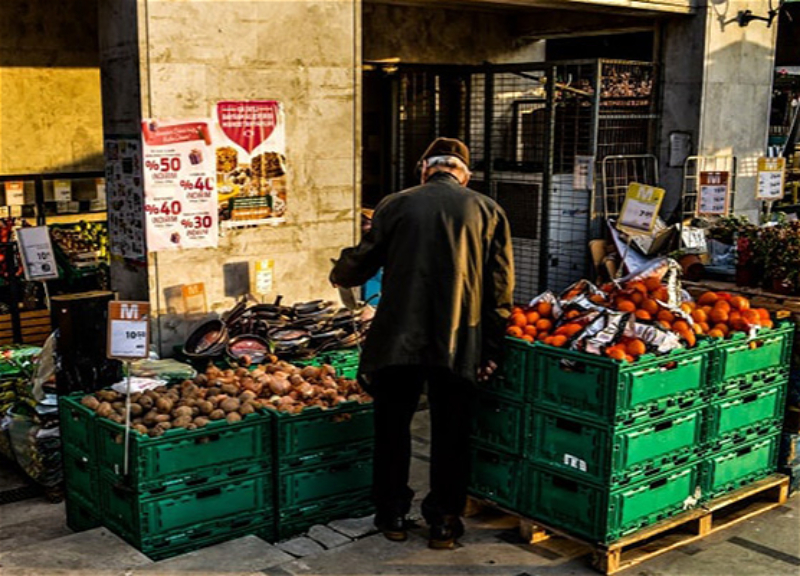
x: 50, y: 105
x: 305, y: 54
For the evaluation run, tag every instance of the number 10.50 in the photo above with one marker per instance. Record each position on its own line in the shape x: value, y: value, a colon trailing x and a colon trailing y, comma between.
x: 135, y: 334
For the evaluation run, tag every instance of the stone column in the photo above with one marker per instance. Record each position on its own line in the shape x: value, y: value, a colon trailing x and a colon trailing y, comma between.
x: 307, y: 54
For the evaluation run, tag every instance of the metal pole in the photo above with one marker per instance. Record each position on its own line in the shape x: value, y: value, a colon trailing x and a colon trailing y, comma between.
x: 488, y: 123
x: 547, y: 179
x: 127, y: 419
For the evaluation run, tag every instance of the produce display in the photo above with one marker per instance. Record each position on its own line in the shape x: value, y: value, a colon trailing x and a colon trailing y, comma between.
x: 634, y: 317
x: 83, y: 242
x: 228, y: 394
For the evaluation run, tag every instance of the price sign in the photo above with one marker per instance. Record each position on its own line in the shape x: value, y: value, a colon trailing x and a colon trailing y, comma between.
x: 583, y: 173
x: 713, y: 194
x: 769, y: 185
x: 128, y: 330
x: 265, y: 271
x: 15, y: 193
x: 640, y: 209
x: 36, y: 250
x: 62, y: 190
x: 194, y: 297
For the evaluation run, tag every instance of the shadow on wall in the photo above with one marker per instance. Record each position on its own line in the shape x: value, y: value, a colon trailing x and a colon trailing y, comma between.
x: 47, y: 34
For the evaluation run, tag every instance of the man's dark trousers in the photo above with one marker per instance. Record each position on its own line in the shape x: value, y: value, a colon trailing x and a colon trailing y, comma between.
x: 397, y: 391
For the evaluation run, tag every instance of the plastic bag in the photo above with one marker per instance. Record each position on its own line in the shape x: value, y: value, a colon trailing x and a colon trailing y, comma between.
x: 167, y: 369
x: 5, y: 437
x: 36, y: 443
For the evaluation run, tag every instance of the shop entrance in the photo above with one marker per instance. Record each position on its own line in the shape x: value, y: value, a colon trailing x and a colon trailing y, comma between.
x: 536, y: 132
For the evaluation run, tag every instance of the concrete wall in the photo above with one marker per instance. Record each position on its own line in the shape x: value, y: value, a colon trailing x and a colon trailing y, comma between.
x: 303, y: 53
x: 432, y: 35
x: 50, y: 106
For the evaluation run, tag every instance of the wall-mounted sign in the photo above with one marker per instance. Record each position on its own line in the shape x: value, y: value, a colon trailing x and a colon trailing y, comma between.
x: 713, y: 194
x: 36, y: 251
x: 583, y: 173
x: 194, y: 298
x: 62, y: 190
x: 640, y: 209
x: 264, y: 275
x: 128, y: 330
x: 769, y: 185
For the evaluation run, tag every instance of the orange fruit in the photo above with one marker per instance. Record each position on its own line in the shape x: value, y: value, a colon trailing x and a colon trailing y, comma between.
x: 517, y: 310
x: 544, y: 325
x: 637, y: 298
x: 707, y: 309
x: 636, y: 347
x: 767, y: 323
x: 707, y: 298
x: 697, y: 328
x: 527, y: 338
x: 643, y: 315
x: 722, y: 328
x: 629, y: 358
x: 650, y: 306
x: 739, y: 325
x: 531, y: 317
x: 714, y: 333
x: 519, y: 320
x: 548, y: 340
x: 689, y: 336
x: 740, y: 303
x: 680, y: 326
x: 687, y: 307
x: 661, y: 294
x: 652, y: 283
x: 722, y: 305
x: 597, y: 299
x: 763, y: 312
x: 572, y: 314
x: 530, y: 330
x: 616, y: 353
x: 666, y: 316
x: 514, y: 331
x: 638, y: 286
x: 624, y: 305
x: 665, y: 324
x: 699, y: 316
x: 569, y: 329
x: 558, y: 340
x: 724, y: 296
x: 733, y: 316
x: 542, y: 336
x: 545, y: 309
x: 751, y: 317
x: 718, y: 315
x: 705, y: 326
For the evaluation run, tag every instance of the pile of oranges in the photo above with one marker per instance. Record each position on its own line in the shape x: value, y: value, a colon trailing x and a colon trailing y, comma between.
x: 537, y: 323
x: 627, y: 349
x: 718, y: 314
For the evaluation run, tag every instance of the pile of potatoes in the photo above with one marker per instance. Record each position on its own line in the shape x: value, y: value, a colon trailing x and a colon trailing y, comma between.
x: 227, y: 394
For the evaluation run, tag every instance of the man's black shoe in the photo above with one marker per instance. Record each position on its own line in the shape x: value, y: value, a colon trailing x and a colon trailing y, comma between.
x: 393, y: 528
x: 443, y: 536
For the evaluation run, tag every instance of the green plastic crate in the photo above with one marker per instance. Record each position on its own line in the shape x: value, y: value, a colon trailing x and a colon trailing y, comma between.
x: 314, y: 435
x: 739, y: 464
x: 78, y: 425
x: 80, y: 476
x: 739, y: 416
x: 140, y: 517
x: 499, y: 423
x: 495, y: 476
x: 181, y: 456
x: 206, y: 534
x: 602, y: 514
x: 81, y: 515
x: 751, y: 381
x: 606, y: 390
x: 296, y: 520
x: 307, y: 486
x: 742, y: 354
x: 613, y: 454
x: 516, y: 377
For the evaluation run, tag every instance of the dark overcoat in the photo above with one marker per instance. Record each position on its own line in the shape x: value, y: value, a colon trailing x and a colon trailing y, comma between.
x: 448, y: 278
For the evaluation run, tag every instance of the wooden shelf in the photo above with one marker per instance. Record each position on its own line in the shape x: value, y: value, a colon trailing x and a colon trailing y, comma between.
x: 76, y: 218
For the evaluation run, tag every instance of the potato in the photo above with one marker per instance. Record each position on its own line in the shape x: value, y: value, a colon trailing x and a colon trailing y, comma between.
x: 247, y: 408
x: 242, y: 372
x: 230, y: 389
x: 230, y: 405
x: 115, y: 417
x: 233, y: 417
x: 200, y: 421
x: 136, y: 396
x: 141, y: 429
x: 161, y: 418
x: 201, y: 379
x: 136, y: 409
x: 149, y: 419
x: 205, y: 407
x: 247, y: 396
x: 164, y: 425
x: 104, y: 410
x: 182, y: 412
x: 181, y: 422
x: 217, y: 414
x: 164, y: 405
x: 90, y: 402
x: 192, y: 426
x: 155, y: 432
x: 213, y: 391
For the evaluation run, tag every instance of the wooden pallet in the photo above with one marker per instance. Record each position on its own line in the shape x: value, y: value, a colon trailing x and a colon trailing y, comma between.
x: 35, y: 327
x: 668, y: 534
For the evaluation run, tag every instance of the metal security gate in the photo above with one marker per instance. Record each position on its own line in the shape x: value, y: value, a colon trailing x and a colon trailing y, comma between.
x: 536, y: 133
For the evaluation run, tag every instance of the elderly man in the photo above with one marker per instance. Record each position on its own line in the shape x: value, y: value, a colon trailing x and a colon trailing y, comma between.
x: 446, y: 296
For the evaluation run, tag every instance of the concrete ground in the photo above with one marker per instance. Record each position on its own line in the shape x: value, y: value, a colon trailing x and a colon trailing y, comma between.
x: 34, y: 541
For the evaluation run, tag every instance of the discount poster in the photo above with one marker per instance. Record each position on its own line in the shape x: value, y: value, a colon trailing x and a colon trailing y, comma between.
x: 179, y: 185
x: 250, y: 155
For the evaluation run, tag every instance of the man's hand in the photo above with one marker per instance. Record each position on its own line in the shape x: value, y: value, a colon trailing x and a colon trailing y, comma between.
x: 486, y: 371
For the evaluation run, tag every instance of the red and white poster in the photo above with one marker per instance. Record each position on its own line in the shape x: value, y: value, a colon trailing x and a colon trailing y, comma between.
x: 250, y: 155
x: 179, y: 185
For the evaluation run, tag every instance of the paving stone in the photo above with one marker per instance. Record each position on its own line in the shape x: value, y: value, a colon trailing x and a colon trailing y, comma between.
x: 245, y: 554
x: 301, y: 546
x: 355, y: 527
x: 86, y: 552
x: 327, y: 537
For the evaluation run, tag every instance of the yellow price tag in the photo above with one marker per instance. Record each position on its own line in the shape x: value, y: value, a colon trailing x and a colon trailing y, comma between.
x: 640, y: 209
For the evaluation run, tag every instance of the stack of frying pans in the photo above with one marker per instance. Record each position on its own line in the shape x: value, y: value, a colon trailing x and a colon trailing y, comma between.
x: 295, y: 332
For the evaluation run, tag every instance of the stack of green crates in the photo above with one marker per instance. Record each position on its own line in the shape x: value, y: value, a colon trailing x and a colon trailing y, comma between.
x: 605, y: 447
x: 184, y: 490
x: 344, y: 360
x: 744, y: 413
x: 323, y: 465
